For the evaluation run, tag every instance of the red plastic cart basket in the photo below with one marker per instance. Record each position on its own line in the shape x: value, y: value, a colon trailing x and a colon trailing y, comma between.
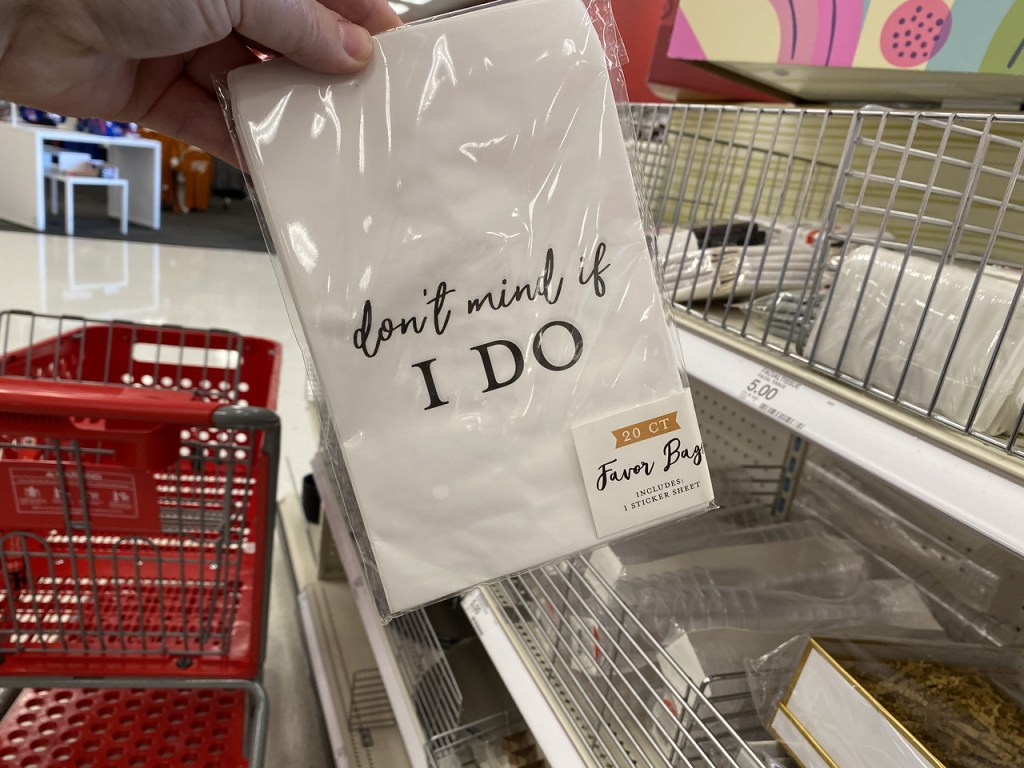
x: 137, y: 483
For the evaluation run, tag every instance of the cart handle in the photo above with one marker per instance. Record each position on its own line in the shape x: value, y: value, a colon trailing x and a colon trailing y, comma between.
x: 44, y: 397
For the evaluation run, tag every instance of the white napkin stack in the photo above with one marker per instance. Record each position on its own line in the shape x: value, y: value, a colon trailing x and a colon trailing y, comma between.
x: 881, y: 303
x: 472, y: 147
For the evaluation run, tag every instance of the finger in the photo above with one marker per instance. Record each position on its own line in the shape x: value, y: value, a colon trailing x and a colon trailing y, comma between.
x: 223, y: 56
x: 192, y: 114
x: 307, y: 32
x: 375, y: 15
x: 263, y: 51
x: 155, y: 78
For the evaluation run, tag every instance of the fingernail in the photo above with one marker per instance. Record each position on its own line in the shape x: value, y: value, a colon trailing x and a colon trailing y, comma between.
x: 356, y: 41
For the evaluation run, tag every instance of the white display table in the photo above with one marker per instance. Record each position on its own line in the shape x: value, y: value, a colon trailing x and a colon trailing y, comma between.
x: 70, y: 181
x: 23, y: 187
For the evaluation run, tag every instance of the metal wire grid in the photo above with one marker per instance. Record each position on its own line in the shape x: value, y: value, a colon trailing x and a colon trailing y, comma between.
x: 816, y: 185
x: 370, y: 706
x: 735, y: 703
x: 174, y: 592
x: 719, y: 177
x: 947, y: 189
x: 455, y: 747
x: 74, y: 588
x: 65, y: 348
x: 606, y: 670
x: 426, y: 673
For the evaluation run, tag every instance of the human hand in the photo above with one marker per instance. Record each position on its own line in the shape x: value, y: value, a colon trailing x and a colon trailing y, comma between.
x: 151, y: 61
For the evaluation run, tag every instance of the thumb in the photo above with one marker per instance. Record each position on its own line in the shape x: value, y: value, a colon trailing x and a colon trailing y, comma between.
x: 306, y: 32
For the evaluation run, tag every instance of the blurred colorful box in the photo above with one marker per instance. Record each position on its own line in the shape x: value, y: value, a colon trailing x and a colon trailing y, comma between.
x: 917, y: 51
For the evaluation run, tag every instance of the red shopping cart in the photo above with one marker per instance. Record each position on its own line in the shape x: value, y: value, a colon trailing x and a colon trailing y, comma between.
x: 137, y: 483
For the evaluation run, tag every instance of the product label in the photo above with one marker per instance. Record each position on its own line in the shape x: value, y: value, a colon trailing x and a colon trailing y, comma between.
x: 44, y: 491
x: 38, y: 493
x: 644, y: 464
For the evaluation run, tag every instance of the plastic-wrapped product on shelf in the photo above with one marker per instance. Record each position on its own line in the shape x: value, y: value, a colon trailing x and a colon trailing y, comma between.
x: 825, y: 566
x: 963, y: 590
x: 669, y: 613
x: 704, y: 546
x: 785, y: 558
x: 742, y: 507
x: 779, y: 556
x: 713, y: 662
x: 673, y: 606
x: 785, y: 315
x: 941, y: 337
x: 745, y: 259
x: 917, y: 704
x: 737, y: 271
x: 468, y: 261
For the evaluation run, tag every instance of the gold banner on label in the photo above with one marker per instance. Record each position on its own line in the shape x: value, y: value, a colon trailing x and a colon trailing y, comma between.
x: 647, y: 429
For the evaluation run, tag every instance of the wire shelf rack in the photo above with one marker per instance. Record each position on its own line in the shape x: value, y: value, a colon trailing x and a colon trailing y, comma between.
x: 427, y: 674
x: 880, y: 248
x: 618, y: 689
x: 370, y: 708
x: 620, y: 695
x: 484, y: 740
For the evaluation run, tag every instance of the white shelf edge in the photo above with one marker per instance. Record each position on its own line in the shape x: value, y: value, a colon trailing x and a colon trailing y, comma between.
x: 332, y: 717
x: 544, y: 722
x: 402, y: 706
x: 980, y: 497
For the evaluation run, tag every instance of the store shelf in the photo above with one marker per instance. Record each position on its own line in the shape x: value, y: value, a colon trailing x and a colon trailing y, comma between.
x: 359, y: 723
x: 590, y: 680
x: 532, y: 695
x: 612, y: 713
x: 412, y: 734
x: 977, y: 486
x: 593, y: 685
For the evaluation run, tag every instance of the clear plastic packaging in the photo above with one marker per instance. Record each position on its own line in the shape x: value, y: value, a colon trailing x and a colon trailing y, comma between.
x: 783, y: 577
x: 744, y: 259
x: 739, y: 511
x: 827, y: 567
x: 468, y: 261
x: 696, y: 546
x: 669, y: 613
x: 968, y: 586
x: 872, y: 701
x: 785, y: 314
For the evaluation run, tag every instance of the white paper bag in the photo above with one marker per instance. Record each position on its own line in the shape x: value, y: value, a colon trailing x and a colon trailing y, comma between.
x: 459, y: 233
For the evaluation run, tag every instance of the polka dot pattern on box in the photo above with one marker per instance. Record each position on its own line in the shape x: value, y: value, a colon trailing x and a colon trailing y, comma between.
x: 915, y: 32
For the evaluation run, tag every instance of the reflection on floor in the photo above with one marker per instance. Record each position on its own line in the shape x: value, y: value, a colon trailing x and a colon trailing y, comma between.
x: 206, y: 288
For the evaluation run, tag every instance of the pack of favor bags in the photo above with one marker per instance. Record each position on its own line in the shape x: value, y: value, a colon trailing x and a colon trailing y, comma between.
x: 458, y: 232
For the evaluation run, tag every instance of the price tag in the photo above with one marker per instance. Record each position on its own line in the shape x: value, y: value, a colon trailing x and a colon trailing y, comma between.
x: 473, y: 605
x: 767, y: 392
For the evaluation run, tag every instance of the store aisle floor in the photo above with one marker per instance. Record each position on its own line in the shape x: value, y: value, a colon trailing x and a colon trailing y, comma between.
x: 206, y: 288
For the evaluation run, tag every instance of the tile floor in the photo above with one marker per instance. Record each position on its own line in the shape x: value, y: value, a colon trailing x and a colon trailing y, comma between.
x: 236, y: 290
